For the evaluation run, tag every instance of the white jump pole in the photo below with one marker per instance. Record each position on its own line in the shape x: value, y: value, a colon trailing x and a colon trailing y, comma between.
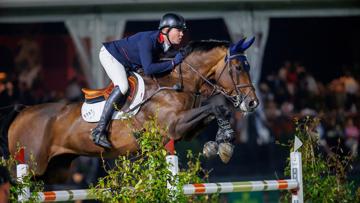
x: 296, y: 172
x: 172, y: 159
x: 65, y: 195
x: 189, y: 189
x: 21, y: 172
x: 244, y: 186
x: 173, y: 162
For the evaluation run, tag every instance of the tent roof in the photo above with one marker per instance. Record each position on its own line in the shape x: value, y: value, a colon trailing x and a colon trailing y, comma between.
x: 90, y: 6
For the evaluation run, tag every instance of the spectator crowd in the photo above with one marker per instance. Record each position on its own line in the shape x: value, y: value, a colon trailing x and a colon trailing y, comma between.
x: 24, y: 81
x: 293, y: 91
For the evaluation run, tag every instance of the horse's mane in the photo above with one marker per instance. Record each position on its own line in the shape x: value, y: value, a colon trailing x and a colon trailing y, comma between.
x: 203, y: 46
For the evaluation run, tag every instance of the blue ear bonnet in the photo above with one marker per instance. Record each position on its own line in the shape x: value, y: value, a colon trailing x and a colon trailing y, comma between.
x: 237, y: 51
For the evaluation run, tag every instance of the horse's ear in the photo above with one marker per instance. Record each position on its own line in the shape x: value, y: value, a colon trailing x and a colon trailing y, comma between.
x: 237, y: 47
x: 247, y: 44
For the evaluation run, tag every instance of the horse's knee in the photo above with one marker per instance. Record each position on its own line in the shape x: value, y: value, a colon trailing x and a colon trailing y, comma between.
x: 220, y: 111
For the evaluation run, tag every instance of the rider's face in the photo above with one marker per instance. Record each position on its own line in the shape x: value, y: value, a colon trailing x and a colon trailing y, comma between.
x: 176, y: 35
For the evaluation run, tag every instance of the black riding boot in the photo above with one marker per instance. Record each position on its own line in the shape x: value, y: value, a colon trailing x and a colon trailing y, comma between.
x: 99, y: 134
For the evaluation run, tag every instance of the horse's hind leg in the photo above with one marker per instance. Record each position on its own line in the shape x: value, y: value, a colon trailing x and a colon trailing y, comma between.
x: 58, y: 169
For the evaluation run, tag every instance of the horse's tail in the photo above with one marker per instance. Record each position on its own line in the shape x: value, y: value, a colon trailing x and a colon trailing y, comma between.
x: 7, y: 115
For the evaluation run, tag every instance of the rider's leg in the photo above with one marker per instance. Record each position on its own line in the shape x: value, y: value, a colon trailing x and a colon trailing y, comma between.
x: 117, y: 74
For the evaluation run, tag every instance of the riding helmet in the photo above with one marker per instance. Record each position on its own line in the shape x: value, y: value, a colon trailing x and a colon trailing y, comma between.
x: 172, y: 20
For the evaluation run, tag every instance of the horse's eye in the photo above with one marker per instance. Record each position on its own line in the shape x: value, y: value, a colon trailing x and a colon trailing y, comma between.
x: 239, y: 68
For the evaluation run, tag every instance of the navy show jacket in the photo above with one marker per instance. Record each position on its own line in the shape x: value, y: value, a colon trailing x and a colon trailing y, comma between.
x: 143, y: 50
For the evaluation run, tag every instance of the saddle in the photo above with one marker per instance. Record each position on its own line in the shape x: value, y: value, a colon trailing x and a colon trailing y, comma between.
x: 97, y: 95
x: 95, y: 100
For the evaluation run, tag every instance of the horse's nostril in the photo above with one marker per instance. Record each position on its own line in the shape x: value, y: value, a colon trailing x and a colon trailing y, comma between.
x: 252, y: 104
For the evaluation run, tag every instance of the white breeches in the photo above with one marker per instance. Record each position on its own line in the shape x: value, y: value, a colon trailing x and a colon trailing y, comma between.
x: 114, y: 69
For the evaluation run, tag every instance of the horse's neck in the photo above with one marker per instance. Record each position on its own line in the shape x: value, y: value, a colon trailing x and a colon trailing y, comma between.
x: 201, y: 67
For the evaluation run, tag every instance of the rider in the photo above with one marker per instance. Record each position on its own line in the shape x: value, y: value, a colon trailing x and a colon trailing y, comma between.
x: 140, y: 50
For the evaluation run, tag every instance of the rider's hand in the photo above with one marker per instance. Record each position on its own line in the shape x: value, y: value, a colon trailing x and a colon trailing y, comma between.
x: 178, y: 59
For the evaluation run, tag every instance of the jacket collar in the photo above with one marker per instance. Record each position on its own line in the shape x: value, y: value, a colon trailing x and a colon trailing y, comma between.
x: 161, y: 40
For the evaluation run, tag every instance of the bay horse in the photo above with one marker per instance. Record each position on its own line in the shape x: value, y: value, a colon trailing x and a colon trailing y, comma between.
x: 55, y: 133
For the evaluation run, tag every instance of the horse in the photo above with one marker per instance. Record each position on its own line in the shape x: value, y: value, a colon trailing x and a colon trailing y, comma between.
x: 55, y: 133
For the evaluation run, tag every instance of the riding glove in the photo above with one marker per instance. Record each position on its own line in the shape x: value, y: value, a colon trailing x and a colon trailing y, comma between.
x: 178, y: 59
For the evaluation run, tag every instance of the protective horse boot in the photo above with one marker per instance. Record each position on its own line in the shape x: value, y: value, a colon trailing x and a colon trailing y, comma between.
x: 225, y: 132
x: 99, y: 134
x: 222, y: 145
x: 225, y: 137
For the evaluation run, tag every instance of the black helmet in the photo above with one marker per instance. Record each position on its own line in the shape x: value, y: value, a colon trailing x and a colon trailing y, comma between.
x: 172, y: 20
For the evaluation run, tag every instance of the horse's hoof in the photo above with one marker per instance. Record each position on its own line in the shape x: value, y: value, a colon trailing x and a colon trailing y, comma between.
x: 210, y: 149
x: 226, y: 150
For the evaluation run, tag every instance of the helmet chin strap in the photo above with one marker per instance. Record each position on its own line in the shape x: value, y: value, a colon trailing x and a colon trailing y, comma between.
x: 167, y: 36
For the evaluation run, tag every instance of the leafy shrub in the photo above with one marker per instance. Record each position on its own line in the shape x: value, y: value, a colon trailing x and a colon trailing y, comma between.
x: 143, y: 177
x: 27, y: 182
x: 324, y: 176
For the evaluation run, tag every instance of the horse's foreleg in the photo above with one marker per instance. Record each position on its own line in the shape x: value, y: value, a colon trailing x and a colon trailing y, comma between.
x: 190, y: 122
x: 225, y: 136
x: 222, y: 112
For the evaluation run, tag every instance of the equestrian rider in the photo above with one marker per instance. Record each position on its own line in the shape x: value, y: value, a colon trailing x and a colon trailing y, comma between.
x: 140, y: 50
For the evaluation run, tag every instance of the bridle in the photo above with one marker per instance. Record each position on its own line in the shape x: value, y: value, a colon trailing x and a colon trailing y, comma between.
x: 237, y: 99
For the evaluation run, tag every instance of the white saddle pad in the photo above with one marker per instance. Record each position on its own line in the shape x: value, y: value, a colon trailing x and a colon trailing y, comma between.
x: 92, y: 112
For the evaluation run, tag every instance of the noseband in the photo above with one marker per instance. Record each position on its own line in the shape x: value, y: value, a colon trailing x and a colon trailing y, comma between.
x: 237, y: 99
